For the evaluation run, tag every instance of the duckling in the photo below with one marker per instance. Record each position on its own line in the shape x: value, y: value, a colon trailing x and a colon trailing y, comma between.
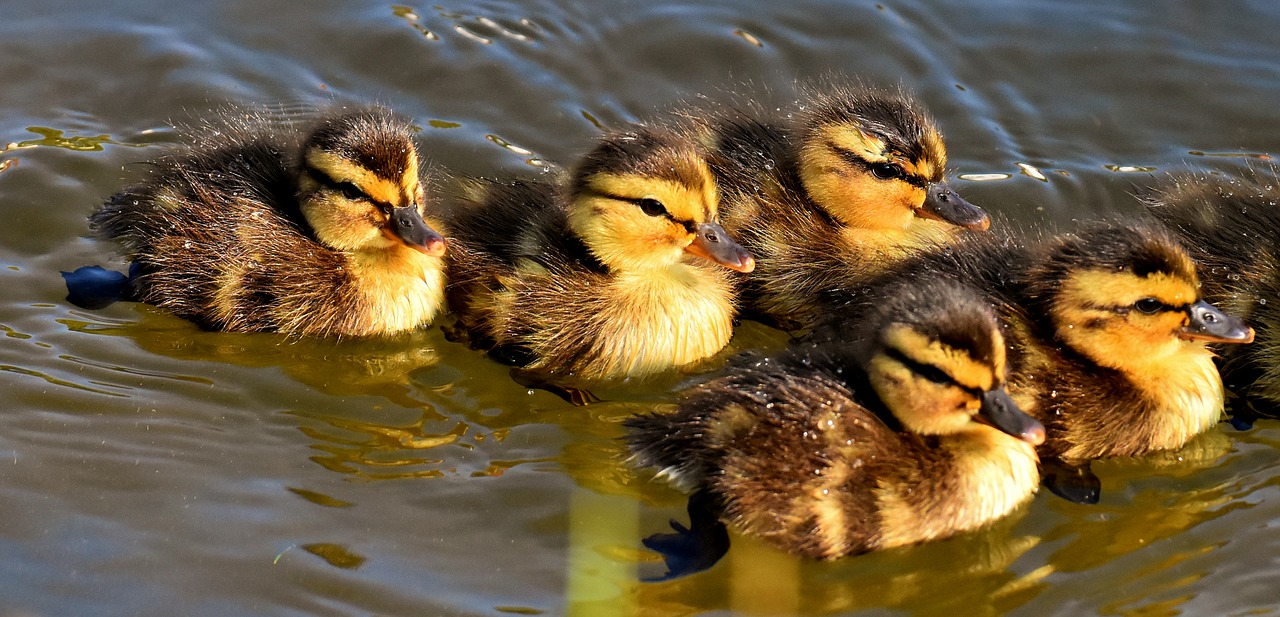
x: 851, y: 186
x: 1232, y: 225
x: 259, y: 228
x: 901, y: 434
x: 1107, y: 332
x: 618, y: 270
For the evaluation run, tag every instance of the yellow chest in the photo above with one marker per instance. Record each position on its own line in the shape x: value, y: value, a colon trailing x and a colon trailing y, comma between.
x: 649, y: 322
x: 1188, y: 395
x: 991, y: 474
x: 400, y: 292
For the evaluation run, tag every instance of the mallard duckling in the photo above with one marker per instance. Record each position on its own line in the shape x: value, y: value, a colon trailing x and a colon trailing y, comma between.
x: 903, y: 434
x: 1107, y: 333
x: 617, y: 271
x: 1232, y: 227
x: 850, y: 186
x: 258, y: 228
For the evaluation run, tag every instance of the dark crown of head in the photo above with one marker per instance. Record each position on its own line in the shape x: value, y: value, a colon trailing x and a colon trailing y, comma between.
x: 375, y: 140
x: 643, y: 151
x: 888, y: 115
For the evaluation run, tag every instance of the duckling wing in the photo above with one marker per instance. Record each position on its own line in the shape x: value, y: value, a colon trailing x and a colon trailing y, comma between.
x: 217, y: 238
x: 805, y: 469
x: 197, y: 192
x: 508, y: 237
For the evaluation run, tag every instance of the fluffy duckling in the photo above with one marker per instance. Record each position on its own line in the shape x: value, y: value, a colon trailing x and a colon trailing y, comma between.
x: 258, y: 228
x: 850, y: 186
x: 617, y: 271
x: 1121, y: 366
x: 1232, y: 226
x: 1107, y: 332
x: 902, y: 434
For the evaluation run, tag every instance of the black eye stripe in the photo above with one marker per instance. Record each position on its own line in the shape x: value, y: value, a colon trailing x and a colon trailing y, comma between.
x: 853, y: 159
x: 346, y: 188
x: 928, y: 371
x: 1146, y: 306
x: 689, y: 226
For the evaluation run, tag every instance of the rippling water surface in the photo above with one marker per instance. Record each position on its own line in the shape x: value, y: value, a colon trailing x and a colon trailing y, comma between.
x: 150, y: 468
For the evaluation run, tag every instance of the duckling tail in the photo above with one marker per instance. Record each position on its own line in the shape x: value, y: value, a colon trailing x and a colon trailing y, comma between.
x: 95, y: 287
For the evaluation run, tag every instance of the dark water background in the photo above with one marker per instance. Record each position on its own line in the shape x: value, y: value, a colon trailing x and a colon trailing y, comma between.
x: 149, y: 468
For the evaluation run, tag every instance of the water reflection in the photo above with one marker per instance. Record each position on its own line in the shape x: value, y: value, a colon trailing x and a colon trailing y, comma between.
x: 336, y: 367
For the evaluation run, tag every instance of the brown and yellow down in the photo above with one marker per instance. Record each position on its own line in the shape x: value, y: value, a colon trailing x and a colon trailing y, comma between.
x: 617, y: 270
x: 1231, y: 224
x: 829, y: 192
x: 899, y: 433
x: 260, y: 227
x: 1107, y: 333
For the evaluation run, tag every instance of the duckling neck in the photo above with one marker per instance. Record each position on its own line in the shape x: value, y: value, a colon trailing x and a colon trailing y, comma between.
x: 403, y: 288
x: 980, y: 476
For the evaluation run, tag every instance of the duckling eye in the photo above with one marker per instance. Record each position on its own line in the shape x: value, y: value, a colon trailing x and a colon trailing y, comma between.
x: 934, y: 374
x: 886, y: 171
x: 351, y: 191
x: 1149, y: 306
x: 652, y: 207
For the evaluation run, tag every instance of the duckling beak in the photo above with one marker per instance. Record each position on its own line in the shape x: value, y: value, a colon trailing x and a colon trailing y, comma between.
x: 1206, y: 323
x: 713, y: 242
x: 407, y: 226
x: 1000, y: 411
x: 943, y: 203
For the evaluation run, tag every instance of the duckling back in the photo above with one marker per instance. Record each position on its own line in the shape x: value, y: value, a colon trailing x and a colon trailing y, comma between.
x: 219, y: 236
x: 501, y: 231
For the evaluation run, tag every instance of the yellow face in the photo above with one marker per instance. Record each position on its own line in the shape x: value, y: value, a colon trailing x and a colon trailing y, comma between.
x: 351, y: 208
x: 637, y: 220
x: 1117, y: 318
x: 865, y: 183
x: 932, y: 388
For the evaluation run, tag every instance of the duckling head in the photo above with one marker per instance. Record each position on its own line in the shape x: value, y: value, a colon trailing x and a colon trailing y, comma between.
x: 937, y: 362
x: 646, y: 199
x: 874, y: 160
x: 1125, y: 296
x: 360, y: 186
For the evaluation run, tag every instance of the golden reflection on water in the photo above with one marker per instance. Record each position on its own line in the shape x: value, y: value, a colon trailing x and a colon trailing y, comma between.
x: 57, y: 138
x: 336, y: 367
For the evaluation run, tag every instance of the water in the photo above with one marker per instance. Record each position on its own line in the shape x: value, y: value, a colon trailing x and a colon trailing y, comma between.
x: 149, y: 468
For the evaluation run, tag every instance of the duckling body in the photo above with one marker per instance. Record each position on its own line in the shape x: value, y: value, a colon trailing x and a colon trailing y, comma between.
x: 616, y: 271
x: 1231, y: 226
x: 850, y: 187
x: 1106, y: 330
x: 263, y: 229
x: 858, y: 445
